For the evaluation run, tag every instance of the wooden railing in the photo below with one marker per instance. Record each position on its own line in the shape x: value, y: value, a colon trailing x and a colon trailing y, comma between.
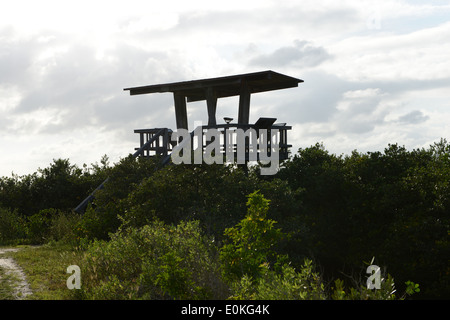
x: 157, y: 142
x: 154, y: 142
x: 277, y: 132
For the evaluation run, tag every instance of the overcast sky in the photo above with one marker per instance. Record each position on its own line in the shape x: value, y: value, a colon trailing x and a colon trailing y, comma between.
x: 375, y: 72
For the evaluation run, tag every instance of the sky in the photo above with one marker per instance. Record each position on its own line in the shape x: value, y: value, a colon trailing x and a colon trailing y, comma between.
x: 375, y: 72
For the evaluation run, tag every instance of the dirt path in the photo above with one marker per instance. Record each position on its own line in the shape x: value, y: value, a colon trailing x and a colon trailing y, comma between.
x: 21, y: 287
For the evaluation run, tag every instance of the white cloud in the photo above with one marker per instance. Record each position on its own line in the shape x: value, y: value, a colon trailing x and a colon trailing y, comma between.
x: 415, y: 56
x: 375, y: 72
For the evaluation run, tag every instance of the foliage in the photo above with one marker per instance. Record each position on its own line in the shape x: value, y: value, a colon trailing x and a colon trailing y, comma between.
x: 61, y: 186
x: 11, y: 226
x: 163, y: 262
x: 393, y: 205
x: 214, y: 195
x: 45, y: 269
x: 412, y: 288
x: 38, y: 225
x: 361, y: 292
x: 334, y: 210
x: 102, y: 215
x: 252, y: 242
x: 288, y: 284
x: 63, y: 226
x: 7, y: 284
x: 45, y: 226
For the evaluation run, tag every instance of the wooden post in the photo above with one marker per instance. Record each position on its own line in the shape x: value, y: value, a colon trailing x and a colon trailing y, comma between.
x: 180, y: 110
x: 157, y: 147
x: 244, y: 103
x: 141, y: 135
x: 244, y: 114
x: 166, y: 142
x: 211, y: 103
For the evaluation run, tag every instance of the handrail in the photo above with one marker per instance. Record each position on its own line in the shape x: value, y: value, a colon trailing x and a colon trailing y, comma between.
x: 83, y: 205
x: 148, y: 143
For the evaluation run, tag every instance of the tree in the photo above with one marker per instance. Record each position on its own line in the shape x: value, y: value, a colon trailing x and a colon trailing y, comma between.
x: 252, y: 242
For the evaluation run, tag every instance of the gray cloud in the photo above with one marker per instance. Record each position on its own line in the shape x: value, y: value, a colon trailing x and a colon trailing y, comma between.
x: 413, y: 117
x: 15, y: 58
x: 302, y: 54
x: 334, y: 106
x: 362, y: 112
x: 78, y: 90
x: 314, y: 101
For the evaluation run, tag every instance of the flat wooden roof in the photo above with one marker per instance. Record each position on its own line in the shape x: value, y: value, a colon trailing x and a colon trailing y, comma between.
x: 195, y: 90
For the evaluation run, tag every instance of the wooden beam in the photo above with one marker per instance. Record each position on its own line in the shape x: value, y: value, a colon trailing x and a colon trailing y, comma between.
x: 244, y: 103
x: 211, y: 103
x: 180, y: 110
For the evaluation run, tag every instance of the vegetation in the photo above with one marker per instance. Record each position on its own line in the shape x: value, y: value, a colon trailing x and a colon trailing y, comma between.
x: 45, y: 269
x: 219, y: 232
x: 6, y: 285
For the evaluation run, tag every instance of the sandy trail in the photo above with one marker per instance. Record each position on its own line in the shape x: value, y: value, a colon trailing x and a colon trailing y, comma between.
x: 21, y: 287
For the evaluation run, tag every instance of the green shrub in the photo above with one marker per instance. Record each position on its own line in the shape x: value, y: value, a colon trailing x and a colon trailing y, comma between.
x: 288, y: 284
x: 38, y: 225
x: 251, y: 245
x: 51, y: 225
x: 157, y: 261
x: 12, y: 226
x: 361, y: 292
x: 359, y: 289
x: 63, y: 226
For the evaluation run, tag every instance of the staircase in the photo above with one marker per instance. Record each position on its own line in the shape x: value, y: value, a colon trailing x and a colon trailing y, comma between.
x: 153, y: 142
x: 150, y: 145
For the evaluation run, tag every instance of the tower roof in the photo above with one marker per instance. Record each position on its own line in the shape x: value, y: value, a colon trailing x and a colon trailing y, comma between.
x: 195, y: 90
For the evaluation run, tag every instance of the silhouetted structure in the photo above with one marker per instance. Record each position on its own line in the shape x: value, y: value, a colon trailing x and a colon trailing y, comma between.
x: 158, y: 141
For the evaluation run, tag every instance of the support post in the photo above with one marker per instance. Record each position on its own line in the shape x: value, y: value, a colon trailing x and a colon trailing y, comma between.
x: 244, y: 103
x: 211, y: 103
x: 180, y: 110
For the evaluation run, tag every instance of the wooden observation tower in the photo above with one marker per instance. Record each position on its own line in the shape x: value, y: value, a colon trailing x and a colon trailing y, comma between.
x: 159, y: 142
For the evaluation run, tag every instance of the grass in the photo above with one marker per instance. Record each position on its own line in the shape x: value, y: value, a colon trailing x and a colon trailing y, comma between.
x: 6, y: 288
x: 45, y: 269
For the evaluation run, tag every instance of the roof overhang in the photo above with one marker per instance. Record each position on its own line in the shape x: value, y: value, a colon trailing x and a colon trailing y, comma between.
x: 195, y: 90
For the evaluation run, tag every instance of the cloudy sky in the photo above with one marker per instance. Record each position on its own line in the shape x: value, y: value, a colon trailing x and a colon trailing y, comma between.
x: 375, y: 72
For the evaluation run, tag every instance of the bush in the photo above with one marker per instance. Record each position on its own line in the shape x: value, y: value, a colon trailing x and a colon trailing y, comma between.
x: 63, y: 226
x: 38, y: 225
x: 12, y: 226
x: 61, y: 186
x: 288, y: 284
x: 51, y: 225
x: 162, y: 262
x: 251, y: 243
x: 102, y: 214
